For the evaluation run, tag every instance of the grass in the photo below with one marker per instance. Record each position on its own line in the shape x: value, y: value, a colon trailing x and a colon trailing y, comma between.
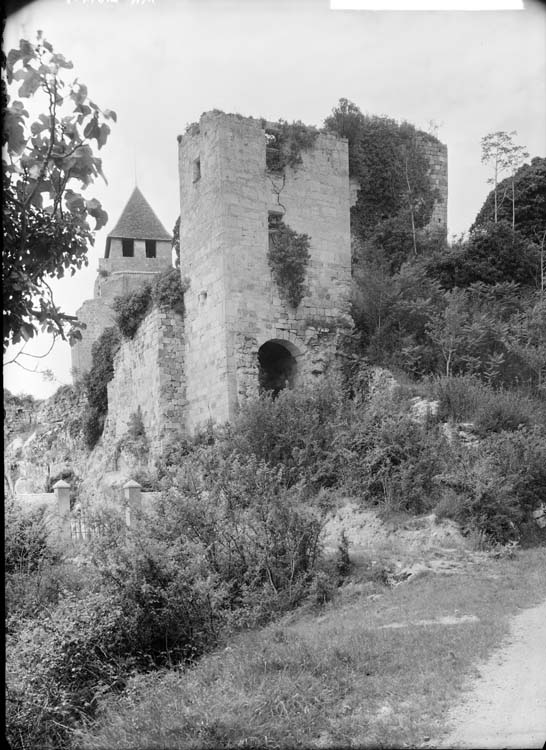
x: 332, y: 677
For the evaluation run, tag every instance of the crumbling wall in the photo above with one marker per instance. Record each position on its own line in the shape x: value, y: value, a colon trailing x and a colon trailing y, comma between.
x: 436, y: 154
x: 233, y: 305
x: 97, y: 315
x: 149, y: 376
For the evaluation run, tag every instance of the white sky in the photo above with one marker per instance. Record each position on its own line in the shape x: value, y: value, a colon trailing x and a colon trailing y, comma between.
x: 161, y: 63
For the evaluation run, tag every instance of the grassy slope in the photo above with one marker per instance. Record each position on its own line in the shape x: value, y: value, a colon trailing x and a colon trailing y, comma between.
x: 333, y: 677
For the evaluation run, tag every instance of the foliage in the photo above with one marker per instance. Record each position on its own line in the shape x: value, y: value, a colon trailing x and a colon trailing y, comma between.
x: 493, y: 254
x: 465, y: 398
x: 176, y: 242
x: 295, y: 431
x: 500, y: 150
x: 166, y: 291
x: 530, y: 201
x: 495, y: 489
x: 59, y: 664
x: 131, y: 309
x: 26, y: 545
x: 46, y: 223
x: 288, y: 256
x: 393, y: 172
x: 285, y: 142
x: 96, y: 383
x: 396, y: 460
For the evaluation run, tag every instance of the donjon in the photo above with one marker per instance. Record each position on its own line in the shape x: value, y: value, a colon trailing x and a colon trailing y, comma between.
x: 137, y: 249
x: 239, y: 329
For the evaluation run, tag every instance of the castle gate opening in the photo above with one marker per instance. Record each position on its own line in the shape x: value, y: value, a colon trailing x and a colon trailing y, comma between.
x: 278, y: 367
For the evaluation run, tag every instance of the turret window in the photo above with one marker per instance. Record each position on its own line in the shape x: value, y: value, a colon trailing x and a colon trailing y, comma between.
x: 150, y: 249
x: 128, y: 248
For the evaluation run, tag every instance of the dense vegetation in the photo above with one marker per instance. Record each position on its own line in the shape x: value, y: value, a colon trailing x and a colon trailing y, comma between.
x: 396, y: 197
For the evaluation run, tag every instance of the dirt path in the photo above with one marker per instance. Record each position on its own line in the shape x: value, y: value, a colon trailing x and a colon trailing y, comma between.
x: 506, y: 705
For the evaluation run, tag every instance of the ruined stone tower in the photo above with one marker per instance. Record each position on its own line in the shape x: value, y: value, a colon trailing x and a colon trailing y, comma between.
x: 237, y: 322
x: 137, y: 248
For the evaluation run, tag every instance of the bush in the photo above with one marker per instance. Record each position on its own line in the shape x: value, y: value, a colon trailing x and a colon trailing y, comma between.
x: 166, y: 291
x: 131, y: 309
x: 57, y: 666
x: 32, y: 562
x: 465, y: 398
x: 494, y: 489
x: 259, y: 535
x: 298, y: 430
x: 395, y: 462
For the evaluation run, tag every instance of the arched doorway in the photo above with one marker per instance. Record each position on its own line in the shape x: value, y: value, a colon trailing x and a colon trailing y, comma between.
x: 277, y: 366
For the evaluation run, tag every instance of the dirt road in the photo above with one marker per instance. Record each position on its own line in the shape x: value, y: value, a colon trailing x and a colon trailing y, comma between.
x: 506, y: 705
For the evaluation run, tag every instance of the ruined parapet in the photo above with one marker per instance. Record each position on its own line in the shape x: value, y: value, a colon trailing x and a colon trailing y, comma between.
x: 233, y: 306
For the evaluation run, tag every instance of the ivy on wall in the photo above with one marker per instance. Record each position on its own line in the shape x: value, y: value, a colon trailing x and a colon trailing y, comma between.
x: 166, y: 291
x: 96, y: 384
x: 288, y: 257
x: 285, y: 142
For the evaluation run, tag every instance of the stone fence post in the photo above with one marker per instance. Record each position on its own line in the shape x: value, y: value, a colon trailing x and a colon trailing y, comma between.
x: 133, y: 500
x: 62, y: 497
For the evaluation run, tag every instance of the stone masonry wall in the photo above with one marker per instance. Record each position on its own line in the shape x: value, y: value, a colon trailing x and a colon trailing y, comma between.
x: 436, y: 154
x: 97, y: 315
x: 233, y: 305
x: 149, y: 374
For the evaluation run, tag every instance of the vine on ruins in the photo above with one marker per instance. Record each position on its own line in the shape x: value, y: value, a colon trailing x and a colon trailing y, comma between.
x: 288, y: 257
x: 285, y: 141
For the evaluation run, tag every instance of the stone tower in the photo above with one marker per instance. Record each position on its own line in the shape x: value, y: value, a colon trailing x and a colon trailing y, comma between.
x: 238, y: 326
x: 137, y: 248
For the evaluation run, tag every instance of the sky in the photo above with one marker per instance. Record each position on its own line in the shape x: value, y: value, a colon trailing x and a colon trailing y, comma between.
x: 161, y: 63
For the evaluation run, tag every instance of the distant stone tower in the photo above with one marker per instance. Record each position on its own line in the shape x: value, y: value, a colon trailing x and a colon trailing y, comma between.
x: 239, y: 330
x: 137, y: 248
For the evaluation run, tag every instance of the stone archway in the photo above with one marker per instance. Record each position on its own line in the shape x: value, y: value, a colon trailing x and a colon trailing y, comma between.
x: 277, y: 365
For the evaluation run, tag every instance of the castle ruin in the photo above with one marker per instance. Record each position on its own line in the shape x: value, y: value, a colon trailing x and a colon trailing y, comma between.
x: 238, y: 332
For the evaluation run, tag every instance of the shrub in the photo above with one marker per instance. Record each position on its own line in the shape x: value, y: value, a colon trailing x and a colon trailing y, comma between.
x: 58, y: 665
x: 493, y: 490
x: 298, y: 430
x: 170, y: 599
x: 394, y: 459
x: 285, y: 142
x: 166, y: 291
x: 131, y: 309
x: 465, y: 398
x: 31, y: 562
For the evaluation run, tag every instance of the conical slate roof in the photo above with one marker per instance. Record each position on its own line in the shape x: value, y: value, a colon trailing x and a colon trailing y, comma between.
x: 138, y: 221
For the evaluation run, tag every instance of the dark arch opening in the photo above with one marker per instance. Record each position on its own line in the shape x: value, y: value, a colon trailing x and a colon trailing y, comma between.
x: 278, y: 367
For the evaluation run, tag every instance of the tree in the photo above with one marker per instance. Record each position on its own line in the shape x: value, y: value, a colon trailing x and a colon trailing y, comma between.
x: 493, y: 254
x: 500, y: 150
x: 528, y: 209
x: 46, y: 222
x: 392, y: 167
